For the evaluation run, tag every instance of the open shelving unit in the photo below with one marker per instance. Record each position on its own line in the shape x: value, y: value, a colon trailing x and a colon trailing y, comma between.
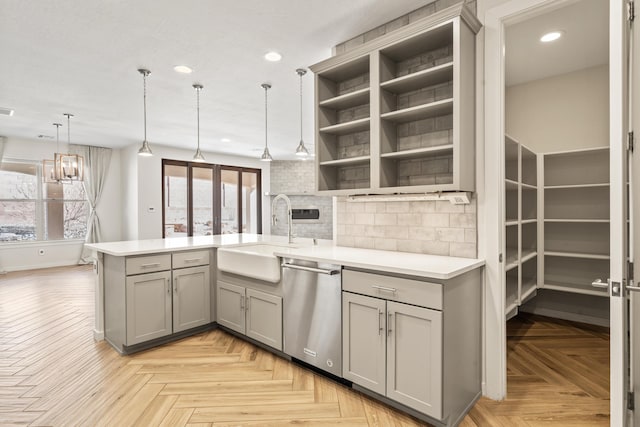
x: 405, y: 103
x: 576, y: 220
x: 521, y: 224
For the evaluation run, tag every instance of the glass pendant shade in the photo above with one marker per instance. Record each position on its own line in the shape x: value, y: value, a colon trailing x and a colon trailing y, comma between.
x: 266, y: 156
x: 198, y: 157
x: 145, y: 150
x: 68, y: 167
x: 301, y: 151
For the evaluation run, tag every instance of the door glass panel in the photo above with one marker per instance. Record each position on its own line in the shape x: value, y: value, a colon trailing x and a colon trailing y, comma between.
x: 229, y: 201
x: 250, y: 202
x: 175, y: 201
x: 202, y: 201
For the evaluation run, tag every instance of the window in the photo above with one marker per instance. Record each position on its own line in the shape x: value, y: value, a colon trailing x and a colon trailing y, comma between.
x: 200, y: 199
x: 31, y: 210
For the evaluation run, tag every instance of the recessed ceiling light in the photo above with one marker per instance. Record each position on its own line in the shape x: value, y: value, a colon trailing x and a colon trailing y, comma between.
x: 272, y: 56
x: 182, y: 69
x: 551, y: 36
x: 225, y: 140
x: 6, y: 111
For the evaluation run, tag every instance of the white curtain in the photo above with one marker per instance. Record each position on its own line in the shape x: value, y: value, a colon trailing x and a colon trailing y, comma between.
x: 96, y: 168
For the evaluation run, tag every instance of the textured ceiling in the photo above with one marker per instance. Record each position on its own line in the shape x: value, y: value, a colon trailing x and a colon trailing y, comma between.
x: 81, y: 57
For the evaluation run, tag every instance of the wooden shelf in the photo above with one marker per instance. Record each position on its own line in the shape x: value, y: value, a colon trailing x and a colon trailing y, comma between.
x: 433, y: 109
x: 352, y: 161
x: 528, y: 186
x: 587, y: 221
x: 511, y: 261
x: 529, y: 221
x: 348, y: 127
x: 351, y: 99
x: 567, y: 187
x: 528, y: 288
x: 424, y: 78
x: 417, y: 152
x: 511, y: 222
x: 575, y: 289
x: 576, y: 255
x: 510, y: 184
x: 527, y: 255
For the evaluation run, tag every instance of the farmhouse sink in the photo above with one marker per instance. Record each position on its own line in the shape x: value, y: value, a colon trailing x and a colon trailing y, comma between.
x: 255, y: 261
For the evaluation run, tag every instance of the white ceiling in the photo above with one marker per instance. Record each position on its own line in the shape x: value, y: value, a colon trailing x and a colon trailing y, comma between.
x: 81, y: 57
x: 585, y: 42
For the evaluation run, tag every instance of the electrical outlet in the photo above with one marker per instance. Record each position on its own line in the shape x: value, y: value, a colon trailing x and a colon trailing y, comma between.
x: 41, y: 252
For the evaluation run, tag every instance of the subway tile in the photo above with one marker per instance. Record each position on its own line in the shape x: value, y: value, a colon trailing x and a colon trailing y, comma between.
x: 470, y: 235
x: 397, y: 207
x: 414, y: 246
x: 355, y: 207
x: 374, y: 231
x: 424, y: 206
x: 422, y: 233
x: 435, y: 219
x: 409, y: 219
x: 395, y: 232
x: 385, y: 244
x: 364, y: 218
x: 386, y: 219
x: 345, y: 218
x: 345, y: 241
x: 444, y: 206
x: 364, y: 242
x: 463, y: 250
x: 462, y: 220
x: 435, y: 248
x: 450, y: 234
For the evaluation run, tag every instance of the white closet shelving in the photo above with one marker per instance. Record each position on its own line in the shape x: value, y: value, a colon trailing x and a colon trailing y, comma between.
x: 575, y: 230
x: 521, y: 225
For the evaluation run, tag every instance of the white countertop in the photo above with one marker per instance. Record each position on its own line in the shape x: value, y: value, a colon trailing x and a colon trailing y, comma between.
x: 434, y: 266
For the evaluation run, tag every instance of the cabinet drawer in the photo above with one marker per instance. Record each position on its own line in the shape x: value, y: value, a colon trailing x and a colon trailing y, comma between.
x: 190, y: 259
x: 148, y: 264
x: 415, y: 292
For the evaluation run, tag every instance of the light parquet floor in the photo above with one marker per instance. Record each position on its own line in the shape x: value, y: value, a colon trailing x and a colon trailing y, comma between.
x: 52, y: 373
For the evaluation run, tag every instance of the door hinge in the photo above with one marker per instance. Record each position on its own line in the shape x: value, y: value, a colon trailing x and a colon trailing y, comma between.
x: 500, y: 258
x: 630, y: 141
x: 630, y: 271
x: 632, y: 10
x: 631, y: 401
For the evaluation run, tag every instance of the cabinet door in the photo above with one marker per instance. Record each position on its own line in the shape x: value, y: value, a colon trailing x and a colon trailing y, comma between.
x: 363, y: 341
x: 230, y: 306
x: 191, y: 298
x: 414, y: 355
x: 148, y: 306
x: 264, y: 318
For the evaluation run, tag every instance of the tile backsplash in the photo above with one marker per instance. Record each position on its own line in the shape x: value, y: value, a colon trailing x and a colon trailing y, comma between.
x: 429, y: 227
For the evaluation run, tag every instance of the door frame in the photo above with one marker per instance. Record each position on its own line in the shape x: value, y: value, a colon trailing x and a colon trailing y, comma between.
x: 495, y: 14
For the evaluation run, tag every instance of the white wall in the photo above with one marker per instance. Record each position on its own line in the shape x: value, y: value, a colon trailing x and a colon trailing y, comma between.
x: 24, y: 255
x: 565, y: 112
x: 129, y: 192
x: 149, y: 187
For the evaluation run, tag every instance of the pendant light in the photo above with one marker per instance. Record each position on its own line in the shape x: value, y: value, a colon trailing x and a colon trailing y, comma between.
x: 301, y: 150
x: 48, y: 168
x: 145, y: 150
x: 68, y: 167
x: 266, y: 156
x: 198, y: 157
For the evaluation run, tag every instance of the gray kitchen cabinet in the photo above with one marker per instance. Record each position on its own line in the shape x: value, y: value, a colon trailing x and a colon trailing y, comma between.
x: 413, y: 342
x: 148, y: 307
x: 395, y: 350
x: 155, y: 296
x: 253, y: 313
x: 191, y: 298
x: 364, y: 341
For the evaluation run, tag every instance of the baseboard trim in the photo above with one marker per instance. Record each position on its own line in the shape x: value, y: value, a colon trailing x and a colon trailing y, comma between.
x: 98, y: 335
x: 573, y: 317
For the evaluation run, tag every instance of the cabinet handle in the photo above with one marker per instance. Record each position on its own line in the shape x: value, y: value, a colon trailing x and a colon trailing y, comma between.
x: 389, y: 319
x: 155, y: 264
x: 168, y: 286
x: 246, y: 304
x: 385, y: 289
x: 175, y: 284
x: 380, y: 326
x: 192, y: 260
x: 241, y: 302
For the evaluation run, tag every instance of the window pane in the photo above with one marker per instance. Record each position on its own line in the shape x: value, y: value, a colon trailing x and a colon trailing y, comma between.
x: 17, y: 221
x: 249, y: 202
x: 18, y: 181
x: 175, y: 201
x: 76, y: 215
x: 202, y: 201
x: 74, y: 191
x: 229, y: 203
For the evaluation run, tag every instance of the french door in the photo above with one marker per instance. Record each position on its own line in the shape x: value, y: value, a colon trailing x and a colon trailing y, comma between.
x: 201, y: 199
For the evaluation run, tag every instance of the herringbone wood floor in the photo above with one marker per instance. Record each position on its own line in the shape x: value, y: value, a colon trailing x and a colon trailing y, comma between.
x: 52, y: 373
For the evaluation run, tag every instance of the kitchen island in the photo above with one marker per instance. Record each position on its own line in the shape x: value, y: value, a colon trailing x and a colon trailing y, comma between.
x: 410, y: 322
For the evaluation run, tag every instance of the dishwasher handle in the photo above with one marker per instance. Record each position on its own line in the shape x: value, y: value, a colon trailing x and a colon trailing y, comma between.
x: 310, y: 269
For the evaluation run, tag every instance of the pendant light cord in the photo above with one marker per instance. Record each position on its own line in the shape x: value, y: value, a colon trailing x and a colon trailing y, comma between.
x: 265, y: 116
x: 198, y: 109
x: 144, y: 84
x: 300, y: 74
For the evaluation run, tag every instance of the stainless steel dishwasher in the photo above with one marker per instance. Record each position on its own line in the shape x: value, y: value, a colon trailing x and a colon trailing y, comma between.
x: 312, y: 313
